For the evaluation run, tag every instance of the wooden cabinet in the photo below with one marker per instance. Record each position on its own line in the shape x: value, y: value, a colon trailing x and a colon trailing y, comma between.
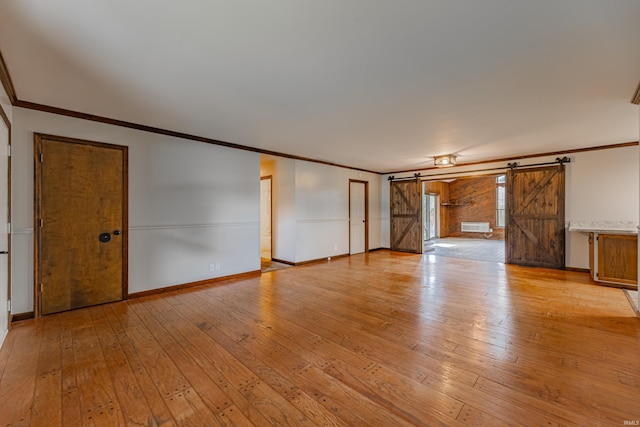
x: 613, y: 258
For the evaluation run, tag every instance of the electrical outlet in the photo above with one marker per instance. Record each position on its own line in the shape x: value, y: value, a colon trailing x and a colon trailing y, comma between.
x: 335, y: 247
x: 212, y: 267
x: 218, y: 266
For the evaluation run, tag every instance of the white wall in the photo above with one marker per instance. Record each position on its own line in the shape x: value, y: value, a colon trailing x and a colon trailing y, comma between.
x: 601, y: 185
x: 311, y: 208
x: 190, y: 205
x: 322, y: 210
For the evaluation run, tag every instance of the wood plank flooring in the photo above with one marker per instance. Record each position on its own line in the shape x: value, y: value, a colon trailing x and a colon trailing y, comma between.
x: 379, y: 339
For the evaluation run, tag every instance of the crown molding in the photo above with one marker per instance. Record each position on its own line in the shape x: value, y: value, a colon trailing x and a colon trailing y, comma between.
x: 525, y: 156
x: 636, y: 96
x: 5, y: 118
x: 5, y: 78
x: 115, y: 122
x: 167, y: 132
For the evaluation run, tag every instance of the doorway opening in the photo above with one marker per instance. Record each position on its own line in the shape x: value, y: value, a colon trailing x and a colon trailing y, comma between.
x: 267, y: 263
x: 464, y: 217
x: 430, y: 222
x: 265, y: 218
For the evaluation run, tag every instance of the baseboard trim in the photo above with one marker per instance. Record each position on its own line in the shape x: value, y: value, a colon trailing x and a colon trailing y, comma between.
x: 325, y: 259
x: 283, y: 261
x: 22, y: 316
x: 617, y: 285
x: 213, y: 281
x: 578, y: 270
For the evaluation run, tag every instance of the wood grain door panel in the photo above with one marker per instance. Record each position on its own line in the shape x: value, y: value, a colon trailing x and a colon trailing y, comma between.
x: 617, y: 258
x: 81, y: 195
x: 406, y: 216
x: 535, y: 233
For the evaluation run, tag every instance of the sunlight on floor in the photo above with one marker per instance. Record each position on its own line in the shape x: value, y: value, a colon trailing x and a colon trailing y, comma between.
x: 477, y: 249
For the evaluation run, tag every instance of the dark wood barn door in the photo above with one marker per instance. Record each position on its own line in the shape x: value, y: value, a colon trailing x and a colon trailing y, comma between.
x: 535, y: 232
x: 406, y: 216
x: 81, y: 223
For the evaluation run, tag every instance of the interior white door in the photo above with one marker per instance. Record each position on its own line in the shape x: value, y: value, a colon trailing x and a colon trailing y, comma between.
x: 357, y: 217
x: 4, y: 236
x: 265, y: 218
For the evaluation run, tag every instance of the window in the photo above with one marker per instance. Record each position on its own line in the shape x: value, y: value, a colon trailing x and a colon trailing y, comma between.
x: 500, y: 200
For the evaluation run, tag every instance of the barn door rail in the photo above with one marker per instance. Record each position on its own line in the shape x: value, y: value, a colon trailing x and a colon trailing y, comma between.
x: 559, y: 161
x: 510, y: 166
x: 405, y: 178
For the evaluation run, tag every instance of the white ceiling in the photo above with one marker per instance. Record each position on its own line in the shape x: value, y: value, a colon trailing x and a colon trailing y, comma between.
x: 383, y: 85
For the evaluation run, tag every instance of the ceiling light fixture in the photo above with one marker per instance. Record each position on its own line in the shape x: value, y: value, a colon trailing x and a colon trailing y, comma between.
x: 444, y: 161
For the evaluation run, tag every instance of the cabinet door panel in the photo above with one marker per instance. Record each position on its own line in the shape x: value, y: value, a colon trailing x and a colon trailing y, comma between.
x: 617, y: 258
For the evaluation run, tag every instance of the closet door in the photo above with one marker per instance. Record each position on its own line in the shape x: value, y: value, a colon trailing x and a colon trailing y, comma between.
x: 358, y: 217
x: 81, y: 223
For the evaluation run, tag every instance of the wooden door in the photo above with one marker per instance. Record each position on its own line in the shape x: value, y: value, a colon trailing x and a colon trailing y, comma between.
x: 357, y: 217
x: 535, y: 232
x: 81, y: 223
x: 406, y: 216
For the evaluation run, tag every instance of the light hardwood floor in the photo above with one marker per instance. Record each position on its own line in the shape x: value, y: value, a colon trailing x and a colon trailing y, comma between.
x: 381, y: 339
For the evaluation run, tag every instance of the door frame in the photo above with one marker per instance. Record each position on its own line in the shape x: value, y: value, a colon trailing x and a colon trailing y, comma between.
x: 270, y: 178
x: 6, y: 121
x: 37, y: 210
x: 426, y: 223
x: 366, y: 213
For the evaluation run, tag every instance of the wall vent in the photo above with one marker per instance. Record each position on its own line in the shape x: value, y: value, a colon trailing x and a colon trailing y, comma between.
x: 475, y: 227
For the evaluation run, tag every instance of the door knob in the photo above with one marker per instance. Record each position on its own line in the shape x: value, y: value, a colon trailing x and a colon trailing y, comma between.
x: 104, y: 237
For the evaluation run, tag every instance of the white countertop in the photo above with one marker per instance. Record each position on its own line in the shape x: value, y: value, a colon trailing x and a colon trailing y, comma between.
x: 605, y: 227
